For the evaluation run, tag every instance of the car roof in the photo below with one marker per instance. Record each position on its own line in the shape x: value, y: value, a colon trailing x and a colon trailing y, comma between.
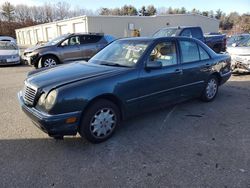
x: 88, y: 33
x: 181, y: 27
x: 156, y: 39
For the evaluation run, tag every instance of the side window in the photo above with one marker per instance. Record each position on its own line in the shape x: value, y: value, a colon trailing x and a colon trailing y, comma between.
x: 164, y: 52
x: 65, y: 42
x: 71, y: 41
x: 186, y: 33
x: 75, y: 40
x: 87, y: 39
x: 203, y: 54
x: 189, y: 51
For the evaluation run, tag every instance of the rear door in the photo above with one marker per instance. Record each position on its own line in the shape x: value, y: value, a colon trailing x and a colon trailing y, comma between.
x: 195, y: 64
x: 90, y: 45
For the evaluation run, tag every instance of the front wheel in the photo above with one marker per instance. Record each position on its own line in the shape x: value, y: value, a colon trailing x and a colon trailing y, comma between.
x: 100, y: 121
x: 49, y: 61
x: 211, y: 89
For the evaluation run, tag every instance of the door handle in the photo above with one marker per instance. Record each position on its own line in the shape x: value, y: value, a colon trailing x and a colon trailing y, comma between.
x: 207, y: 65
x: 178, y: 71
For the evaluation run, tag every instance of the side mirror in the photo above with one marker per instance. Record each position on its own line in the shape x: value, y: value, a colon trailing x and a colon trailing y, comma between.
x: 153, y: 65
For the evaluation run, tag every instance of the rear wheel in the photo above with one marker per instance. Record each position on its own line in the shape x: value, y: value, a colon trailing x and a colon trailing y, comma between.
x: 49, y: 61
x: 100, y: 121
x: 211, y: 89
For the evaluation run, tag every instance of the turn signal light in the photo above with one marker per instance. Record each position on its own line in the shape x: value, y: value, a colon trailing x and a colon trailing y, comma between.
x: 71, y: 120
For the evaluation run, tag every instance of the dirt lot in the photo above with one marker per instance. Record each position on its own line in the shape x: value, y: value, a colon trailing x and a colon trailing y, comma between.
x: 193, y: 144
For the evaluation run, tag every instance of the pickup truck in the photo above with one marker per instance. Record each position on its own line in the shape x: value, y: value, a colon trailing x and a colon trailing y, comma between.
x: 215, y: 42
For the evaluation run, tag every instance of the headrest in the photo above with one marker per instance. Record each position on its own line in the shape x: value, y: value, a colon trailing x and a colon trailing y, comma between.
x: 165, y: 51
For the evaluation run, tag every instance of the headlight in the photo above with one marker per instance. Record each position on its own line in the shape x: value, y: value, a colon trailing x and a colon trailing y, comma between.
x: 15, y: 56
x: 49, y: 101
x: 32, y: 54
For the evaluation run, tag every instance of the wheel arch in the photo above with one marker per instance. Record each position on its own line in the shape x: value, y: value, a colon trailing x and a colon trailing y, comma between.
x: 110, y: 97
x: 50, y: 54
x: 218, y: 76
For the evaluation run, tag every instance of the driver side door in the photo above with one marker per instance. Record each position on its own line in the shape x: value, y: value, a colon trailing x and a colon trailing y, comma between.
x: 70, y: 49
x: 160, y: 86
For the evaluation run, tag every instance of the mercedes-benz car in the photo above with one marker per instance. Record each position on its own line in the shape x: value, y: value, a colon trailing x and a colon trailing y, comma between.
x: 127, y: 77
x: 66, y: 48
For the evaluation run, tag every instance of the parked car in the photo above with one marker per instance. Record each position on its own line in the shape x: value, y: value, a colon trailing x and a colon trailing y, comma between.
x: 9, y: 53
x: 234, y: 40
x: 215, y: 42
x: 126, y: 77
x: 240, y: 54
x: 66, y: 48
x: 7, y: 39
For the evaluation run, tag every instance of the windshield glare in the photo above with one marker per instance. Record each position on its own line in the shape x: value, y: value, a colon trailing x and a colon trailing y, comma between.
x: 170, y: 32
x: 121, y: 53
x: 7, y: 46
x: 56, y: 40
x: 238, y: 39
x: 245, y: 42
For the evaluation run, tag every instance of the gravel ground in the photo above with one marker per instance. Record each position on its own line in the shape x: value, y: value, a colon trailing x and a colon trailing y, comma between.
x: 193, y: 144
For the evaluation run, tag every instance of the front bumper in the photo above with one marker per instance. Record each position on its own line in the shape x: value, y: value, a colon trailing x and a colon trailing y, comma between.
x: 2, y: 63
x: 239, y: 67
x: 31, y: 60
x: 53, y: 125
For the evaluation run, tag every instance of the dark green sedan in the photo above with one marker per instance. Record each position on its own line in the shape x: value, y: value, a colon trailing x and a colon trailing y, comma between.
x: 126, y: 78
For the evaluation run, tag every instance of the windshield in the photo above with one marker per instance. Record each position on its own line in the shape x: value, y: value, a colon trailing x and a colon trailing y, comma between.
x: 7, y: 46
x: 170, y: 32
x: 121, y: 53
x: 245, y: 42
x: 237, y: 39
x: 56, y: 40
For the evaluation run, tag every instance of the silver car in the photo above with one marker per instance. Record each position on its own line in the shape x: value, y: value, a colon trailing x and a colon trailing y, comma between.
x: 9, y: 53
x: 66, y: 48
x: 240, y: 54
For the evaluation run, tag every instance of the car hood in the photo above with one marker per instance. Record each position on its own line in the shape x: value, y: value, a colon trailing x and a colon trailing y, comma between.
x: 8, y: 52
x: 37, y: 47
x: 68, y: 73
x: 245, y: 51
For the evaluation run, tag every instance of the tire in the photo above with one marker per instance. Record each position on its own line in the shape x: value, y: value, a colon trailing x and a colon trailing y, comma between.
x: 211, y: 89
x: 49, y: 61
x: 100, y: 121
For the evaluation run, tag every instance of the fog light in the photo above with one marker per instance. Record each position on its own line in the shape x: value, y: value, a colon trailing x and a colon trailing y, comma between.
x: 71, y: 120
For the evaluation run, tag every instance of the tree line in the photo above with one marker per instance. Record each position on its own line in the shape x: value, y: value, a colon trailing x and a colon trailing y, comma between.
x: 13, y: 17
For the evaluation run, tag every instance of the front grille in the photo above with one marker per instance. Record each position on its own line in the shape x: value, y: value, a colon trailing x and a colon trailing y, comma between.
x: 29, y: 95
x: 2, y: 57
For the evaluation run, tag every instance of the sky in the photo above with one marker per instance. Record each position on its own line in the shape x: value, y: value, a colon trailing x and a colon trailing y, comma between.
x: 227, y: 6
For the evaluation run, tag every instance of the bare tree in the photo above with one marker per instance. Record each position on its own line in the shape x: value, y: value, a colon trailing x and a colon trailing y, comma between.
x: 62, y: 10
x: 48, y: 13
x: 22, y: 13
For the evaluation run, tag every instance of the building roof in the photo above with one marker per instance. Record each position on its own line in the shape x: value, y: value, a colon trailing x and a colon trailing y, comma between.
x: 121, y: 17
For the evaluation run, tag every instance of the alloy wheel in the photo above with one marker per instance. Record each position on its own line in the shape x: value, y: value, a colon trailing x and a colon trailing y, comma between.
x: 211, y: 88
x: 49, y: 62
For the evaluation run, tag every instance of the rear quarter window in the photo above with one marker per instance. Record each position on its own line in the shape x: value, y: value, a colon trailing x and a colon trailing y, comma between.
x: 203, y: 54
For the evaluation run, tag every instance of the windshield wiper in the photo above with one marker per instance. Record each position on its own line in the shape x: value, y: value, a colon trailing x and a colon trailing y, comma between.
x: 114, y: 64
